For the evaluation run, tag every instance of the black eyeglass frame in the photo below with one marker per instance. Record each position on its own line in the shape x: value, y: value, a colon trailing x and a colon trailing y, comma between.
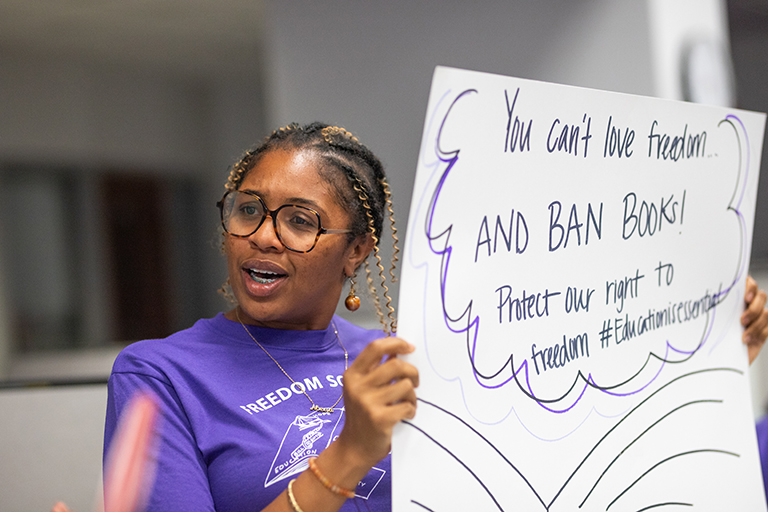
x: 273, y: 215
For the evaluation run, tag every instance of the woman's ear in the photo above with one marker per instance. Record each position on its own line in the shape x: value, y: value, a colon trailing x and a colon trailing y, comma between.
x: 358, y: 250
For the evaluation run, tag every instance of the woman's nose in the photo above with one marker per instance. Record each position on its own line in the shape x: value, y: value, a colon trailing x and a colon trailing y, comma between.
x: 265, y: 237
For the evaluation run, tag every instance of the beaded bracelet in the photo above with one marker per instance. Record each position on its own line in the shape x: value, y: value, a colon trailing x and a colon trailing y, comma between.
x: 292, y: 499
x: 326, y: 483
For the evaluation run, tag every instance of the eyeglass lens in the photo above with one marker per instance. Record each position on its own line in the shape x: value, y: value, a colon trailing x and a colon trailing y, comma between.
x: 297, y: 226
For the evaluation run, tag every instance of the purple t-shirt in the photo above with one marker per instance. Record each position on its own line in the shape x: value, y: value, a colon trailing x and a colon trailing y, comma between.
x: 762, y: 445
x: 233, y: 429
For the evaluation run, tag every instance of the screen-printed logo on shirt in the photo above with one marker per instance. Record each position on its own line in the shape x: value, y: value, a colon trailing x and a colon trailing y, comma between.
x: 306, y: 437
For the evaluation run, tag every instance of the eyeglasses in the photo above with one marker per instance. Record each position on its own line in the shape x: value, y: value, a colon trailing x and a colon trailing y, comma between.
x: 297, y: 227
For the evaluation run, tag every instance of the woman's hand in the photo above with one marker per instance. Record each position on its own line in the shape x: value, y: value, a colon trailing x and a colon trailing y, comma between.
x: 379, y: 392
x: 754, y: 319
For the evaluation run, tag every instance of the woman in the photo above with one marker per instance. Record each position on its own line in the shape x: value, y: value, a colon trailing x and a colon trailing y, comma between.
x: 249, y: 397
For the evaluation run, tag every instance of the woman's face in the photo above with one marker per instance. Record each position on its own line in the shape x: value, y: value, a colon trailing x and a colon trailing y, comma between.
x: 278, y: 288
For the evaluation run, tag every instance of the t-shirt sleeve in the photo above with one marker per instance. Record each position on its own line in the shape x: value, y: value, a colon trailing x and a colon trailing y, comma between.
x: 180, y: 479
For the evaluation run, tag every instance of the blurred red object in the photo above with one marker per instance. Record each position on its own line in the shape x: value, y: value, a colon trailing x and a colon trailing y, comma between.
x: 130, y: 467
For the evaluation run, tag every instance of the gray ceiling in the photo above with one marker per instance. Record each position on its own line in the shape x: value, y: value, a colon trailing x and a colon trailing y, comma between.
x: 200, y: 36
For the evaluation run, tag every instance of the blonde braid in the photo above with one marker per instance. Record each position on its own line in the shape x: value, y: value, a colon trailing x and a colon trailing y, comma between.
x: 331, y: 131
x: 396, y: 249
x: 391, y: 311
x: 374, y: 295
x: 238, y: 172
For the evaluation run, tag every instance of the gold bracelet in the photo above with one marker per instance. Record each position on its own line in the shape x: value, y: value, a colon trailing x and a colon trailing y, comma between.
x: 327, y: 483
x: 292, y: 499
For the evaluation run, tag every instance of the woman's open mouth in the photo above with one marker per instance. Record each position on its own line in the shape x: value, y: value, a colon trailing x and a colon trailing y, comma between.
x: 263, y: 276
x: 262, y: 279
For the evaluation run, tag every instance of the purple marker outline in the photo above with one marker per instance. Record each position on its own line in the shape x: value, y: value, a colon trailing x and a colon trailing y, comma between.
x: 737, y: 208
x: 451, y: 158
x: 435, y: 166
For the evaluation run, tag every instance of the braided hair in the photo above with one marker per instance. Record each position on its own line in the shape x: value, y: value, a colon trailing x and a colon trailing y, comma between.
x: 358, y: 182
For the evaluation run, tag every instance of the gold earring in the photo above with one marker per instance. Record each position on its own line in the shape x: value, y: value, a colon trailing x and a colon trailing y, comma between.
x: 352, y: 302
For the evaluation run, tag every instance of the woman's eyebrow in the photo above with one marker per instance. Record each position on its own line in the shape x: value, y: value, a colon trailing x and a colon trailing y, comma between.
x: 305, y: 202
x: 291, y: 200
x: 302, y: 200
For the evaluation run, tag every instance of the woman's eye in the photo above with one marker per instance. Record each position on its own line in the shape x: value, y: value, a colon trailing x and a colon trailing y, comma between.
x: 300, y: 221
x: 249, y: 210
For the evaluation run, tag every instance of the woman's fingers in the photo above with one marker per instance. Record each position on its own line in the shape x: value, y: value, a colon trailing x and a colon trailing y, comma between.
x: 755, y: 334
x: 392, y: 404
x: 754, y: 319
x: 379, y: 392
x: 396, y: 413
x: 750, y: 290
x: 382, y: 379
x: 755, y: 300
x: 394, y: 369
x: 758, y: 319
x: 397, y: 393
x: 372, y: 355
x: 755, y: 309
x: 378, y: 379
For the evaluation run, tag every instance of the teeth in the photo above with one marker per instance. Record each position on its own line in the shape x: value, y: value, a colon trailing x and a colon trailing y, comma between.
x: 256, y: 275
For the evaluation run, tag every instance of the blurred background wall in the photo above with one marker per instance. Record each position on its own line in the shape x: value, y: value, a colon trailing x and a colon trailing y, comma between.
x: 118, y: 121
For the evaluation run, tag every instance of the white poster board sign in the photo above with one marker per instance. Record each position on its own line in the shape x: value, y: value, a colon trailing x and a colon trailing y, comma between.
x: 573, y: 279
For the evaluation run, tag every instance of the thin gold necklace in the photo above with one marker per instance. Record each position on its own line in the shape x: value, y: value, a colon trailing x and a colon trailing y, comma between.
x: 314, y: 407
